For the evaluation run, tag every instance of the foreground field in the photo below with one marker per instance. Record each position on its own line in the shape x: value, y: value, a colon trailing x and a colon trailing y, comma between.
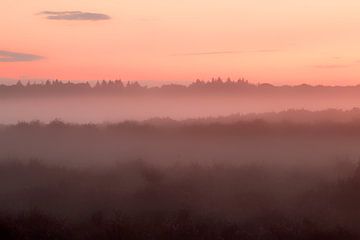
x: 165, y: 179
x: 136, y: 200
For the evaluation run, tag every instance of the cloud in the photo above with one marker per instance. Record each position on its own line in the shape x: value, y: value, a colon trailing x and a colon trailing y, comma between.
x: 7, y: 56
x: 331, y: 66
x: 75, y: 16
x: 148, y: 19
x: 225, y: 52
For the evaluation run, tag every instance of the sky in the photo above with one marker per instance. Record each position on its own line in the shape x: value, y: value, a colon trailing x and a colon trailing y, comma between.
x: 275, y: 41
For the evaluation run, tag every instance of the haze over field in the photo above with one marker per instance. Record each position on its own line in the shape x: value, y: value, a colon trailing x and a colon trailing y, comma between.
x: 112, y: 101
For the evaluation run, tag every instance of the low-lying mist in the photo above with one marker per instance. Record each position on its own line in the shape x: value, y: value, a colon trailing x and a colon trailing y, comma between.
x: 168, y: 142
x: 114, y: 101
x: 115, y: 109
x: 287, y: 175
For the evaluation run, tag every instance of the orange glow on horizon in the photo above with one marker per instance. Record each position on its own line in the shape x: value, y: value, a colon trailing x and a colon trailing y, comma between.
x: 278, y: 41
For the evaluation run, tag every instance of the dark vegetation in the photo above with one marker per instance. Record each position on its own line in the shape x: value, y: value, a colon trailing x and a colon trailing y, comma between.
x: 136, y: 200
x: 165, y: 179
x: 291, y: 116
x: 166, y: 141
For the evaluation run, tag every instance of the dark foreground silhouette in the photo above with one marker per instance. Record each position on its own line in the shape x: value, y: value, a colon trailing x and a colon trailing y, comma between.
x: 136, y: 200
x: 163, y: 179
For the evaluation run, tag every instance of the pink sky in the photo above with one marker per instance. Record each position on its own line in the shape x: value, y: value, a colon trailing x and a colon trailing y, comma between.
x: 276, y: 41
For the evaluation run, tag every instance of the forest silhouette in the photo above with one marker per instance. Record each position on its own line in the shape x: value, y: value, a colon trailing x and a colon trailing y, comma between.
x: 118, y: 87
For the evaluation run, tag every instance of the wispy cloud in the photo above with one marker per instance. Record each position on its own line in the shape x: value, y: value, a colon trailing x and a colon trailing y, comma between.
x: 7, y: 56
x: 225, y: 52
x: 331, y: 66
x: 148, y: 19
x: 75, y: 15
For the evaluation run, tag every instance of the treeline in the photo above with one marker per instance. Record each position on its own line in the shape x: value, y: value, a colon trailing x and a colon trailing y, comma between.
x: 232, y: 125
x: 118, y: 87
x: 290, y: 115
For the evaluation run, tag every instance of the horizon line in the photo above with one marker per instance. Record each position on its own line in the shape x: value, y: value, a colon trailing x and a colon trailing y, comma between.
x: 161, y: 83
